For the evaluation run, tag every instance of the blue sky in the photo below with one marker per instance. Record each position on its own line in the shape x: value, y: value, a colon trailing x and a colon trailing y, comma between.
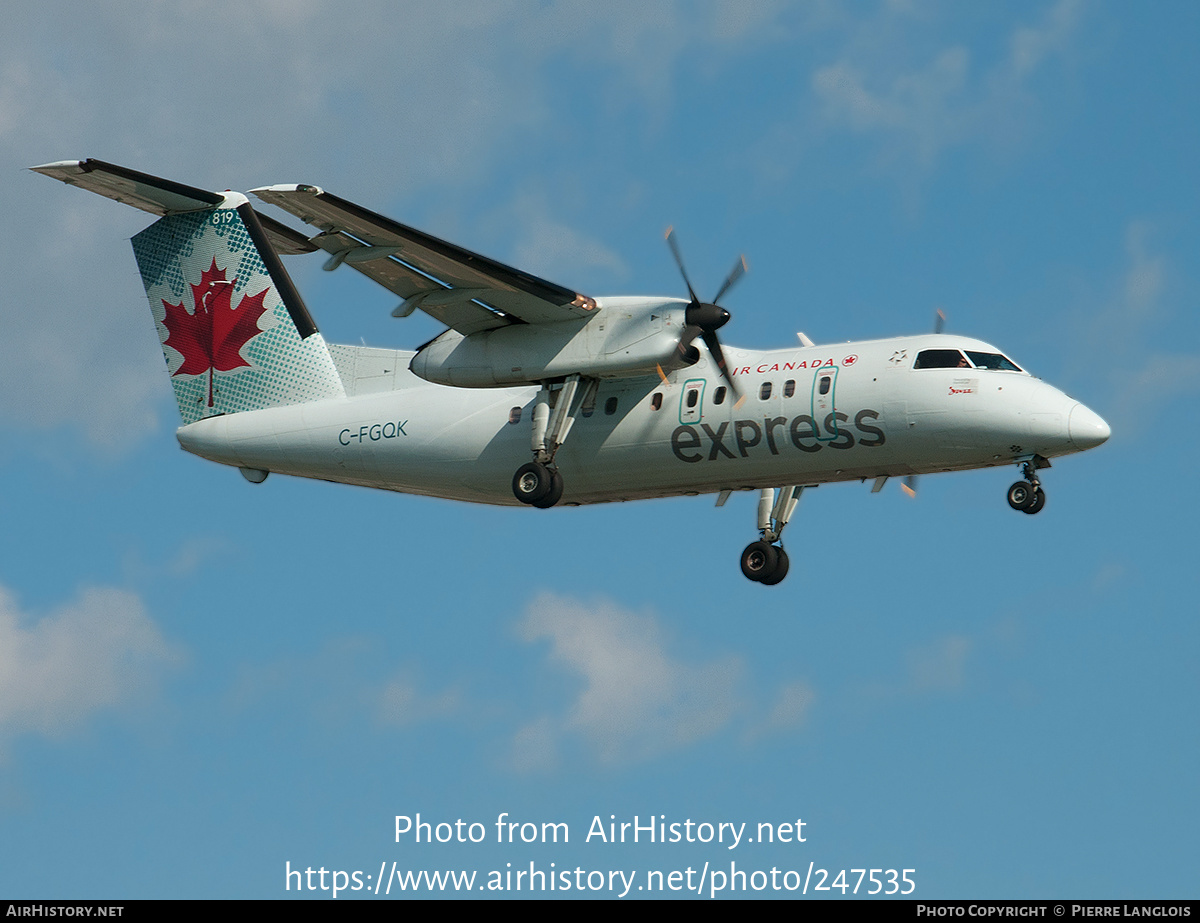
x: 202, y: 680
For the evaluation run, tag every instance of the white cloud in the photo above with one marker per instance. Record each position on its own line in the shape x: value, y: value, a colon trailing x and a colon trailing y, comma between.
x: 1145, y: 275
x: 923, y: 109
x: 919, y: 110
x: 99, y: 652
x: 1031, y: 45
x: 374, y: 100
x: 940, y: 666
x: 535, y: 746
x: 1145, y: 391
x: 1123, y: 317
x: 557, y: 250
x: 340, y: 683
x: 401, y: 702
x: 793, y: 705
x: 636, y: 700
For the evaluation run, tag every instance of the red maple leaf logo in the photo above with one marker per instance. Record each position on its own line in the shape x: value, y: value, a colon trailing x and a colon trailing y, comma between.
x: 210, y: 337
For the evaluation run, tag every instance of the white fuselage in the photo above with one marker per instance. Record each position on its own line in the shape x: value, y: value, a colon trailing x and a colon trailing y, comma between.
x: 878, y: 416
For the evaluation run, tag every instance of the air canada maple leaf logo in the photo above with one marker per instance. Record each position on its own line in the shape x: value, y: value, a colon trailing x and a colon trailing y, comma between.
x: 210, y: 337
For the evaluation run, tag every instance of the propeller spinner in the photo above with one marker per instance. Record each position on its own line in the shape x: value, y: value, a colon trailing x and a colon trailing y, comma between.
x: 704, y: 319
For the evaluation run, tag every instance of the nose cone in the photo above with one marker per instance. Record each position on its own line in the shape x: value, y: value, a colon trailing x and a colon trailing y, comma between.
x: 1087, y: 429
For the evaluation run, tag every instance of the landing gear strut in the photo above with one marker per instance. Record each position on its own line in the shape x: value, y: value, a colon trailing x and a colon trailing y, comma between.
x: 764, y: 561
x: 539, y: 482
x: 1028, y: 495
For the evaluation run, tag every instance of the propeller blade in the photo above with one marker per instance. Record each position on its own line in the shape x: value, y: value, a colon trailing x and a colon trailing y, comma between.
x: 704, y: 320
x: 679, y: 262
x: 736, y: 273
x: 714, y: 350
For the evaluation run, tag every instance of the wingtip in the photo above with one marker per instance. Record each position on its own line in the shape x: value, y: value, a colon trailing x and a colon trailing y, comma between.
x: 263, y: 191
x: 59, y: 168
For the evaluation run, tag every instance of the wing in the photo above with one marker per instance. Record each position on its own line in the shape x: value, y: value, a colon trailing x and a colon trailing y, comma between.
x: 463, y: 290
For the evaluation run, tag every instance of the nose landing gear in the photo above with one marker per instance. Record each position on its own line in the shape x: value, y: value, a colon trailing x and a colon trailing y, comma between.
x: 1028, y: 495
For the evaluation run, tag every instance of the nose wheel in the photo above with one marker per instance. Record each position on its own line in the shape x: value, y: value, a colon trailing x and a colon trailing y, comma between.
x: 1027, y: 496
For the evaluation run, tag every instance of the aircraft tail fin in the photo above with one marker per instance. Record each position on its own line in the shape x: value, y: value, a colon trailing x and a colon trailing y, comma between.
x: 234, y: 331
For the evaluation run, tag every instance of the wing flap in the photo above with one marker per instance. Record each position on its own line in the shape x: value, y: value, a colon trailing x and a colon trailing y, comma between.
x: 461, y: 314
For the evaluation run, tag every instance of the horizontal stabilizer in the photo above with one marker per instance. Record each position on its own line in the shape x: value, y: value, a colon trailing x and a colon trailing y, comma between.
x: 149, y: 193
x: 159, y: 196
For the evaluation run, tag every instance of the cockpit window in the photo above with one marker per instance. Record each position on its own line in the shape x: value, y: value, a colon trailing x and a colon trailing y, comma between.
x: 993, y: 361
x: 940, y: 359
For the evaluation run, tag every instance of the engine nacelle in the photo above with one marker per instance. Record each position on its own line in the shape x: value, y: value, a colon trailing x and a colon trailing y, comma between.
x: 625, y: 337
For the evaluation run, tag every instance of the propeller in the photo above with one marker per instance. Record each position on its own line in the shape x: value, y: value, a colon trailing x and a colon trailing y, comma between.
x: 704, y: 319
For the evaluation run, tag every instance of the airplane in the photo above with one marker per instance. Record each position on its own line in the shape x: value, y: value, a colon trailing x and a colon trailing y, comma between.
x: 536, y: 394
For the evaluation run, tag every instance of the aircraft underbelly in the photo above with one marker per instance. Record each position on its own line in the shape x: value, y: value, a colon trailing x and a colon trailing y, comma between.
x: 462, y: 447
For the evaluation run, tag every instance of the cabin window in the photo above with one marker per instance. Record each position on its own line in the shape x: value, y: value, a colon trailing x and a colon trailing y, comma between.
x: 789, y: 387
x: 940, y: 359
x: 693, y: 398
x: 826, y: 381
x: 765, y: 391
x: 993, y: 361
x: 719, y: 395
x: 514, y: 415
x: 656, y: 401
x: 610, y: 406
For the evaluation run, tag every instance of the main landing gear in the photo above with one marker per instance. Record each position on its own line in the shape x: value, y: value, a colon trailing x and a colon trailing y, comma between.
x: 1027, y: 495
x: 765, y: 561
x: 539, y: 482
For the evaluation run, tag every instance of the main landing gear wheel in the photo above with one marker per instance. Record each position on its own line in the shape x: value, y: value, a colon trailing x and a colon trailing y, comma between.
x: 534, y: 482
x: 1039, y: 500
x: 781, y: 569
x: 554, y: 494
x: 763, y: 562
